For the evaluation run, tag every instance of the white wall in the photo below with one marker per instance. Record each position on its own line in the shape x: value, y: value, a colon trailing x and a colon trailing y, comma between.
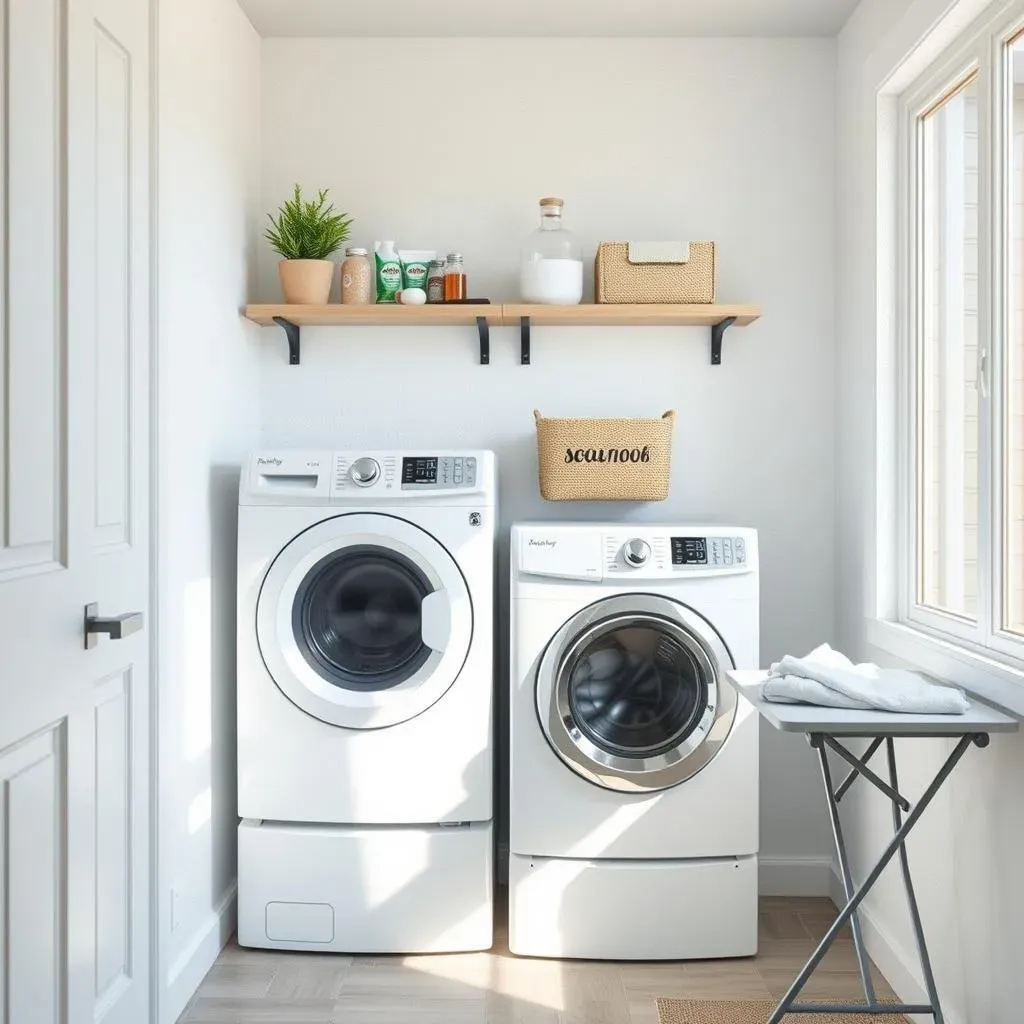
x: 209, y: 84
x: 449, y: 143
x: 966, y: 851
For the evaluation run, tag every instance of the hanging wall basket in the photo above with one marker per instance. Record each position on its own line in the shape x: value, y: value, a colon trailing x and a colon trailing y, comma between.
x: 604, y: 459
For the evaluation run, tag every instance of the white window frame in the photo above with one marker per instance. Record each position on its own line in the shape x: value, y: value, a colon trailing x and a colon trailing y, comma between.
x: 933, y: 89
x: 945, y: 643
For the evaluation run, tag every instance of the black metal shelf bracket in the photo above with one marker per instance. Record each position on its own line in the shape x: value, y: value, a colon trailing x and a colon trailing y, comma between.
x: 294, y: 339
x: 293, y: 334
x: 485, y: 340
x: 717, y: 331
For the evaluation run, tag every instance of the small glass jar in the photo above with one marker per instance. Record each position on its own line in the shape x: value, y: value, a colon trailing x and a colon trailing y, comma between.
x: 435, y: 281
x: 356, y: 278
x: 551, y: 263
x: 454, y: 278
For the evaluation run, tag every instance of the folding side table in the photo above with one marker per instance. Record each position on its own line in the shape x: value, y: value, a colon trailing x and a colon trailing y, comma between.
x: 824, y: 727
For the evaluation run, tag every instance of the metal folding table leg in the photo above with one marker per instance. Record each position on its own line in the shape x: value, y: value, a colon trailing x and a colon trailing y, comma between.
x: 860, y: 768
x: 844, y: 867
x: 852, y: 776
x: 915, y: 914
x: 788, y: 1004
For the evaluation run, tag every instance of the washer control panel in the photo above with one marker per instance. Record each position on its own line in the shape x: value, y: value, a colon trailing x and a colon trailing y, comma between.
x: 363, y: 478
x: 445, y: 471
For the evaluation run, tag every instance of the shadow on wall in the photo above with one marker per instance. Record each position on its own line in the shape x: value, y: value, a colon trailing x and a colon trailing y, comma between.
x: 223, y: 589
x: 198, y: 734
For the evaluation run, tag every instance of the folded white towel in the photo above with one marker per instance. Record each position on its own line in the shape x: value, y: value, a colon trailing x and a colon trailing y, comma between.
x: 828, y: 678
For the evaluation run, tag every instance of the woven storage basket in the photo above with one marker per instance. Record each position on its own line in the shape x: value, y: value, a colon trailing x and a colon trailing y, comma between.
x: 655, y: 272
x: 604, y: 460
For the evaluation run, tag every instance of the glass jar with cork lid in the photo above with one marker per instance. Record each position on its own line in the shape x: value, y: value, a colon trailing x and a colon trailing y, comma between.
x: 551, y: 262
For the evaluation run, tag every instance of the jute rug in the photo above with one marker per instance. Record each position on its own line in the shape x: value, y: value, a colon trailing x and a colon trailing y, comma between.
x: 702, y: 1011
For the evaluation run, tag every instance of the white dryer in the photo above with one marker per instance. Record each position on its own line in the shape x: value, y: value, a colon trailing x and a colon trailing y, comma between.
x: 365, y: 674
x: 633, y: 829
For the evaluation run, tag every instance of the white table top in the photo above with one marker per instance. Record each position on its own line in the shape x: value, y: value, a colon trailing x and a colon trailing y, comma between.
x: 842, y: 722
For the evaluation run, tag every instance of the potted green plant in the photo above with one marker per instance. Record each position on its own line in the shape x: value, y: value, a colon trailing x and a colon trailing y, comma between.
x: 305, y: 234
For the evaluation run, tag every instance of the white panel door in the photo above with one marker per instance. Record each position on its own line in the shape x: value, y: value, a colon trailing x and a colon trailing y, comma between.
x: 74, y: 515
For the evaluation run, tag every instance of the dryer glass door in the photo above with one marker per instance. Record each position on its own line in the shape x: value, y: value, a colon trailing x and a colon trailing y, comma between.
x: 630, y: 693
x: 364, y: 620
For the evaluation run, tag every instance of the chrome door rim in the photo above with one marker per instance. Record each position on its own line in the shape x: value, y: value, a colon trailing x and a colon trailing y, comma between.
x: 635, y: 774
x: 300, y: 682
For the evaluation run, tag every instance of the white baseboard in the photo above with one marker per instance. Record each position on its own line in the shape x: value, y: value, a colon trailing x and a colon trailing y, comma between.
x: 899, y: 966
x: 795, y: 876
x: 191, y: 966
x: 835, y: 886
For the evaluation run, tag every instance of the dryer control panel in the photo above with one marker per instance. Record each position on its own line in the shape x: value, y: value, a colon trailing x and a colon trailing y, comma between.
x: 668, y: 551
x: 640, y: 552
x: 712, y: 551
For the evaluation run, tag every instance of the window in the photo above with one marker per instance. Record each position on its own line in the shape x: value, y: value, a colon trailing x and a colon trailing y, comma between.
x: 1012, y: 619
x: 960, y: 563
x: 947, y: 354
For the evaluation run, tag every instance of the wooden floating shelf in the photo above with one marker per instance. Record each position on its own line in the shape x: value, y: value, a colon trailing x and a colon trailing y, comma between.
x: 718, y: 317
x: 375, y: 316
x: 630, y: 315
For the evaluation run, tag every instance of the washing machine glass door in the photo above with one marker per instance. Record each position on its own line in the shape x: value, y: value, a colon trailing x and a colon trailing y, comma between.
x: 364, y: 620
x: 631, y: 694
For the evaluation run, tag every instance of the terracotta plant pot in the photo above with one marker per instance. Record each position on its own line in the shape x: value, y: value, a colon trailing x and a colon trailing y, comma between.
x: 306, y: 282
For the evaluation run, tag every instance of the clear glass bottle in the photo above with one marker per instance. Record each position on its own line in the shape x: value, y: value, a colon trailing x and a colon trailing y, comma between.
x: 454, y: 278
x: 435, y: 281
x: 356, y: 278
x: 551, y: 264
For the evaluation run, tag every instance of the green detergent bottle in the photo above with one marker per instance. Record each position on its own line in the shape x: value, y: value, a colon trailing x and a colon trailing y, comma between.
x: 389, y: 272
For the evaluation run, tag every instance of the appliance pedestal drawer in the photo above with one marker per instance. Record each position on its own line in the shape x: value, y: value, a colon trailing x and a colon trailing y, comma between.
x: 365, y: 889
x: 632, y: 909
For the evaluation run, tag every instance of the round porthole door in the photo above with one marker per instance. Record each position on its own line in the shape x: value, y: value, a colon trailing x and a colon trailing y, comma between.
x: 631, y: 695
x: 364, y: 621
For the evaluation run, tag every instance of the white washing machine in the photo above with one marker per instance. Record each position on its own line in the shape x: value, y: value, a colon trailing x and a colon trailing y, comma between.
x: 633, y: 828
x: 365, y: 674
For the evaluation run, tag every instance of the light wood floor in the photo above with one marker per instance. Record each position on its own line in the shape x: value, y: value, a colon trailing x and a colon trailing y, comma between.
x: 247, y: 986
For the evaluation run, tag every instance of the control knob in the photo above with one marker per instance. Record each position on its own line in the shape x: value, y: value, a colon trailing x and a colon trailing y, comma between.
x: 636, y: 552
x: 364, y: 471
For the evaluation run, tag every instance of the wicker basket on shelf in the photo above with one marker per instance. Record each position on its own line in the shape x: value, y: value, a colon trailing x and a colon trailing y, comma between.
x: 604, y: 459
x: 681, y: 272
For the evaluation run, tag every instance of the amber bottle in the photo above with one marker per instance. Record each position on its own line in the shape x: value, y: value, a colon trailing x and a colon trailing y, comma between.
x: 454, y: 278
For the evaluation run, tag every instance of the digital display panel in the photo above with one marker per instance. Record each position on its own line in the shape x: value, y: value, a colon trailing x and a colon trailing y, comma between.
x: 419, y: 471
x: 689, y: 551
